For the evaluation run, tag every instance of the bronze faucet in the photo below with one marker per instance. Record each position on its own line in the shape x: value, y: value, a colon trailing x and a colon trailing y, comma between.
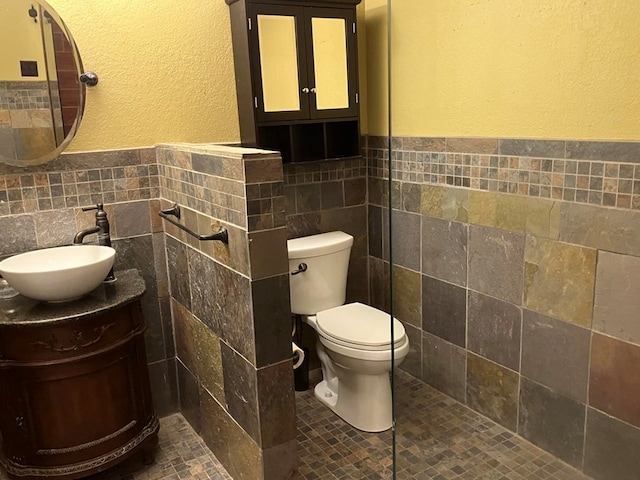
x: 102, y: 229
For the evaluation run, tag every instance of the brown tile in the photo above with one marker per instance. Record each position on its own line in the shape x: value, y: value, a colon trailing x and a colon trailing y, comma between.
x: 446, y: 202
x: 611, y: 450
x: 178, y: 269
x: 492, y: 390
x: 614, y: 387
x: 607, y: 151
x: 271, y: 319
x: 276, y: 404
x: 189, y: 396
x: 493, y: 329
x: 55, y: 228
x: 548, y: 343
x: 268, y: 253
x: 232, y: 446
x: 241, y: 391
x: 132, y: 218
x: 473, y: 145
x: 185, y: 337
x: 331, y: 195
x: 559, y: 280
x: 496, y: 263
x: 233, y: 311
x: 412, y: 363
x: 551, y: 421
x: 443, y: 366
x: 263, y: 170
x: 444, y: 309
x: 208, y: 357
x: 406, y: 237
x: 421, y: 144
x: 444, y: 250
x: 617, y: 304
x: 533, y: 148
x: 355, y: 191
x: 17, y: 234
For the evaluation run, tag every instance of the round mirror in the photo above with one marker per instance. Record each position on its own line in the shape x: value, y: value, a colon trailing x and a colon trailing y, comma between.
x: 41, y: 98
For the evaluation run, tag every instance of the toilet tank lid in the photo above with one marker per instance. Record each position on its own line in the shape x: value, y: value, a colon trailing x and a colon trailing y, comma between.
x: 321, y: 244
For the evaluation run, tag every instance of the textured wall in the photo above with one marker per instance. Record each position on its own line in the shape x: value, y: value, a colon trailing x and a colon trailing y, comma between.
x: 547, y: 69
x: 166, y: 72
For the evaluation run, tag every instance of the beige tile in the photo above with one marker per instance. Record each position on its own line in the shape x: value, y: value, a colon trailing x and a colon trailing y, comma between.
x: 543, y: 218
x: 208, y: 359
x: 559, y: 280
x: 483, y: 208
x: 5, y: 118
x: 235, y: 449
x: 511, y: 212
x: 447, y: 203
x: 407, y: 290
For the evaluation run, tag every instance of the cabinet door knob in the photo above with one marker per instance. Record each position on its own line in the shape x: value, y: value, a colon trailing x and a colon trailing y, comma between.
x: 313, y: 90
x: 305, y: 90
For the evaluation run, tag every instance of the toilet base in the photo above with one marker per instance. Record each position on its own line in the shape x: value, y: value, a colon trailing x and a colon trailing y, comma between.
x: 363, y: 401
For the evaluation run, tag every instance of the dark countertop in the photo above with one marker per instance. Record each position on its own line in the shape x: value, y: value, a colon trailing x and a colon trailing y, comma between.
x: 21, y: 310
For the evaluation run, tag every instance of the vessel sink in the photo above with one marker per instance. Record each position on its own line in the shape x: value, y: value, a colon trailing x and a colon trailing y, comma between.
x: 58, y: 274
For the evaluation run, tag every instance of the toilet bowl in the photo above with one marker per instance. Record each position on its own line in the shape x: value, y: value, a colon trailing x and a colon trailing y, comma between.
x: 354, y: 340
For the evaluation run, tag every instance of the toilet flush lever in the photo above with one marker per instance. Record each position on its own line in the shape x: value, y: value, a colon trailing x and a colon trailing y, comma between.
x: 301, y: 268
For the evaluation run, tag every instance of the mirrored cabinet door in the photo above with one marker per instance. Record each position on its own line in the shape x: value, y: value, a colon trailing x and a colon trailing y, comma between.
x: 279, y: 67
x: 303, y: 62
x: 279, y: 64
x: 332, y: 62
x: 329, y: 41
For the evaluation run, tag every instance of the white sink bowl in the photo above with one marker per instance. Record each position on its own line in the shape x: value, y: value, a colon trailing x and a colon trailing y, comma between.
x: 58, y: 274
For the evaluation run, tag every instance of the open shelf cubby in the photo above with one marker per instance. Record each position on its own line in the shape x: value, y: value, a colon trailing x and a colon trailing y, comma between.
x: 304, y: 142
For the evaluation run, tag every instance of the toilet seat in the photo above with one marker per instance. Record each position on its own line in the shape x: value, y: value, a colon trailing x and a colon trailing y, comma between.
x: 359, y: 327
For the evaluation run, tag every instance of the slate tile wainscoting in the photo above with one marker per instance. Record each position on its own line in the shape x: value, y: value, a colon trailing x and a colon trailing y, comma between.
x: 230, y: 305
x: 516, y: 268
x: 40, y: 207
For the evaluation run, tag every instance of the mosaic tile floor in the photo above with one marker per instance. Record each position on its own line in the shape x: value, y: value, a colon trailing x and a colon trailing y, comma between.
x: 438, y: 439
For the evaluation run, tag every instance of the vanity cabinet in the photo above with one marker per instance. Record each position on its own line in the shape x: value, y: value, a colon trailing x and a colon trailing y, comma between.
x: 75, y: 393
x: 296, y: 77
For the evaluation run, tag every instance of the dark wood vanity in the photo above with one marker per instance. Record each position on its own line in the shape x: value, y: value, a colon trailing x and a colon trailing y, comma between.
x: 74, y: 386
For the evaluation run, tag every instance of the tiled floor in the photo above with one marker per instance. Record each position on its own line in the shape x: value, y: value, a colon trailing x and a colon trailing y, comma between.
x: 437, y: 439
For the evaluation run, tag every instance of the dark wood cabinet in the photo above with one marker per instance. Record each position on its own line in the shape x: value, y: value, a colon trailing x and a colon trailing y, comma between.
x: 75, y: 395
x: 296, y: 77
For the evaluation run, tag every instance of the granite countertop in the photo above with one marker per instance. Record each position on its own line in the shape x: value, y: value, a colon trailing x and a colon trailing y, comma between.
x: 21, y: 310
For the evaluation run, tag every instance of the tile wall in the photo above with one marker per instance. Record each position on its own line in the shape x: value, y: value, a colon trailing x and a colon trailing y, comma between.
x: 41, y: 207
x: 326, y: 196
x: 26, y: 120
x: 515, y: 274
x: 230, y: 305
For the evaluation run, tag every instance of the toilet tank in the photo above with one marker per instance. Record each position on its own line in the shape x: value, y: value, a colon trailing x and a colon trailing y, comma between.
x: 324, y: 283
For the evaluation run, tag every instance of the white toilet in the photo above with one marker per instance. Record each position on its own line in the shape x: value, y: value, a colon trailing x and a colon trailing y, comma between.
x: 354, y: 340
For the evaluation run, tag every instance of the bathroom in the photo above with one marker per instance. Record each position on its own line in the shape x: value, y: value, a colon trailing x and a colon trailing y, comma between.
x: 527, y: 121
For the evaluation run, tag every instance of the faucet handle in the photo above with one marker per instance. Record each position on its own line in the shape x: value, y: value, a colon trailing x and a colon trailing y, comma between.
x: 99, y: 206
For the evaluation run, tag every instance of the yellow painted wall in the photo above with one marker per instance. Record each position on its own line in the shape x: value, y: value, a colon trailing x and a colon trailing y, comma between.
x: 514, y: 68
x: 165, y: 70
x: 20, y: 39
